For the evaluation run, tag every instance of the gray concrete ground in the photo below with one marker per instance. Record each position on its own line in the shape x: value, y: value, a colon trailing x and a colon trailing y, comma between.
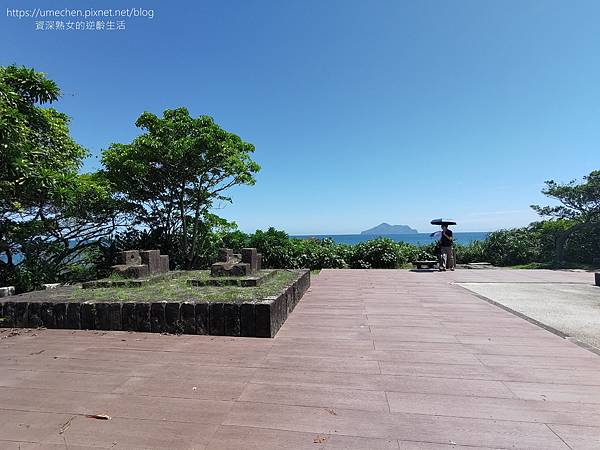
x: 572, y: 308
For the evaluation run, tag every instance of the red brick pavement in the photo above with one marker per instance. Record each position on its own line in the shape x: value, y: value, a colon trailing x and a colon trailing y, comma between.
x: 368, y: 360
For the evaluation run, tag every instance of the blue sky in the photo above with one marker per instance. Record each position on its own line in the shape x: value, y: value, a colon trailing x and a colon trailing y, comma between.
x: 361, y: 112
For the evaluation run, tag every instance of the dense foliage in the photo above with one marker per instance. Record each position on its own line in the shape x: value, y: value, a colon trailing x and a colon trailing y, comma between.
x: 579, y: 210
x: 48, y: 210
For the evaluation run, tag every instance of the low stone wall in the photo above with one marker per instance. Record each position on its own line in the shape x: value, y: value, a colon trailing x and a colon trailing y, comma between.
x: 261, y: 318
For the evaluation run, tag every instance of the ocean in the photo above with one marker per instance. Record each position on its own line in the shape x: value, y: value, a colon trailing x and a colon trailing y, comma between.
x: 417, y: 238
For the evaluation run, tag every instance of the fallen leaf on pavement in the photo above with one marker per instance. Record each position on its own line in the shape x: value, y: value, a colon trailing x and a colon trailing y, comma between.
x: 98, y: 416
x: 319, y: 439
x: 65, y: 426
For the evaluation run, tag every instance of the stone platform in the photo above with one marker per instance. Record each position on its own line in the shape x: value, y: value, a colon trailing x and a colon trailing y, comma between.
x: 260, y: 318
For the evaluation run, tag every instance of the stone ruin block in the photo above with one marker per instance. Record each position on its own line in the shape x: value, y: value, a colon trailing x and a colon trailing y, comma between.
x: 141, y: 263
x: 236, y: 265
x: 249, y: 256
x: 164, y: 263
x: 129, y: 258
x: 137, y: 271
x: 225, y: 254
x: 151, y: 258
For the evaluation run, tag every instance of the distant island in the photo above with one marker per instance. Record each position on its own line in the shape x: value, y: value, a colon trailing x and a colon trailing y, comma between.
x: 386, y: 228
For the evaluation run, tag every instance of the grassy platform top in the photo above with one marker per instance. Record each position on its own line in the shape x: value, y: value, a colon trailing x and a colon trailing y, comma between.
x: 171, y: 289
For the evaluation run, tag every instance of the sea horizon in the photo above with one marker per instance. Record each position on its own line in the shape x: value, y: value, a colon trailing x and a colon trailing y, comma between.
x: 464, y: 237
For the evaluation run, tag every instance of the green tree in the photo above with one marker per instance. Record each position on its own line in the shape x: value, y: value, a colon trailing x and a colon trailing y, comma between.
x: 50, y: 215
x: 175, y: 172
x: 579, y: 208
x: 38, y: 154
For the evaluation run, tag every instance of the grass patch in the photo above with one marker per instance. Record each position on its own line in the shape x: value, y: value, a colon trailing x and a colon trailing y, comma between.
x: 176, y: 289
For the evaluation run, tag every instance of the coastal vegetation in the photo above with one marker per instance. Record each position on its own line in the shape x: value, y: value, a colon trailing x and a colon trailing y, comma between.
x: 159, y: 191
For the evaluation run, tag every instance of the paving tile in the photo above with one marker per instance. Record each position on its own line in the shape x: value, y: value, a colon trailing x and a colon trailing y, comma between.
x: 326, y: 397
x: 321, y: 364
x: 201, y: 389
x: 470, y: 371
x: 434, y: 357
x: 140, y: 434
x: 383, y: 382
x: 236, y: 438
x: 434, y: 429
x: 555, y: 392
x: 116, y: 405
x: 550, y: 362
x: 495, y: 408
x: 66, y: 381
x: 579, y: 438
x: 456, y: 372
x: 572, y: 375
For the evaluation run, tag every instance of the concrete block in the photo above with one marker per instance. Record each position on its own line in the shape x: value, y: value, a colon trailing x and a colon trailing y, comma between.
x: 73, y: 316
x: 103, y: 316
x: 164, y: 263
x: 262, y: 316
x: 8, y: 315
x: 172, y: 323
x: 247, y: 320
x: 130, y: 257
x: 34, y: 316
x: 216, y: 319
x: 188, y: 318
x: 60, y: 315
x: 116, y: 322
x: 225, y: 254
x: 47, y: 315
x: 130, y: 271
x: 231, y: 319
x: 88, y: 316
x: 202, y: 318
x: 142, y: 317
x: 21, y: 313
x: 151, y: 258
x: 128, y: 322
x: 157, y: 317
x: 249, y: 256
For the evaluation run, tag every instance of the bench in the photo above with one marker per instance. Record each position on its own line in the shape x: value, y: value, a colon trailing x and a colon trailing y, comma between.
x: 421, y: 264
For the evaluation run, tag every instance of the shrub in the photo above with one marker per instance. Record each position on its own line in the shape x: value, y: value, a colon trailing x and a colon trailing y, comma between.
x: 512, y: 247
x: 381, y: 253
x: 470, y: 253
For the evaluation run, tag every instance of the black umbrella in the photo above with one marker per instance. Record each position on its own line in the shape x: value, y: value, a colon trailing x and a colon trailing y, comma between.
x: 443, y: 222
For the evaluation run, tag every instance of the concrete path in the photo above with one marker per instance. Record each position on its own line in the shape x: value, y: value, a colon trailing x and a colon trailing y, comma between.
x: 571, y: 308
x: 368, y: 360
